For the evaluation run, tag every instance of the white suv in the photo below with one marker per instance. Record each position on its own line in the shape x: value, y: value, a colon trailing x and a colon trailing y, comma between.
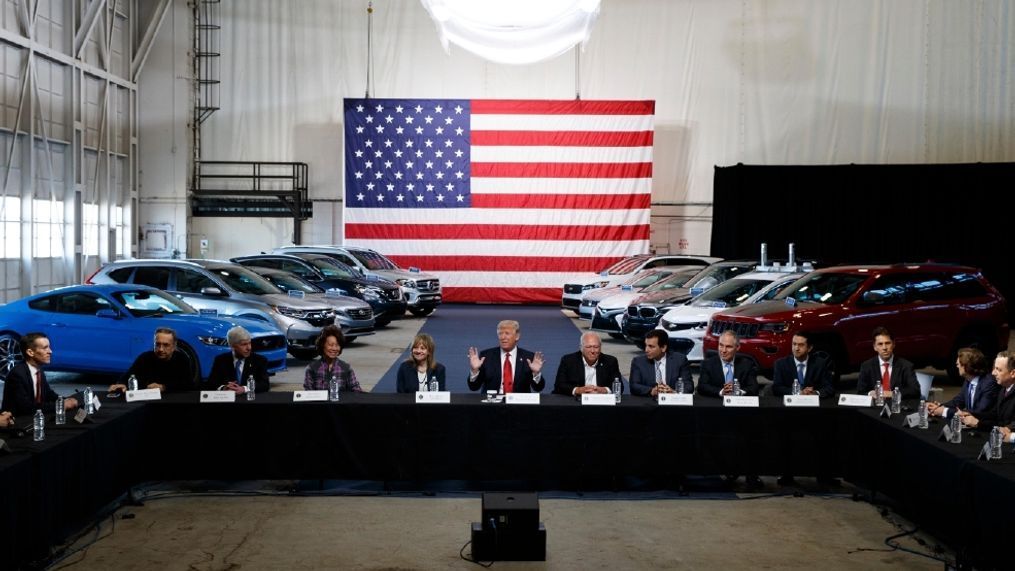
x: 620, y: 272
x: 422, y: 291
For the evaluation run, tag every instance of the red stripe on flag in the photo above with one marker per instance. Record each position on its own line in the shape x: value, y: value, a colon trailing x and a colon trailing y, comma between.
x: 504, y: 263
x: 562, y: 170
x: 534, y: 295
x: 563, y: 138
x: 563, y: 201
x: 561, y: 107
x: 495, y: 232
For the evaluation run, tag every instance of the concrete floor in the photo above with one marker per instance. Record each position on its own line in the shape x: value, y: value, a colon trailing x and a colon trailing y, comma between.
x: 387, y: 532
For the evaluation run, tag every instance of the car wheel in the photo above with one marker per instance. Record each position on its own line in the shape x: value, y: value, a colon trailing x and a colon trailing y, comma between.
x: 421, y: 311
x: 195, y: 364
x: 381, y: 322
x: 304, y: 354
x: 10, y: 353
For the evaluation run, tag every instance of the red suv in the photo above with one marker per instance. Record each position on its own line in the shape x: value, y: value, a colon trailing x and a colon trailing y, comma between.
x: 931, y: 309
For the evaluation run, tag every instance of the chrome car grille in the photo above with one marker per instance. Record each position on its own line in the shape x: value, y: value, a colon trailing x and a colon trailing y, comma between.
x: 365, y: 313
x: 572, y: 288
x: 268, y: 342
x: 743, y: 330
x: 428, y: 285
x: 647, y: 312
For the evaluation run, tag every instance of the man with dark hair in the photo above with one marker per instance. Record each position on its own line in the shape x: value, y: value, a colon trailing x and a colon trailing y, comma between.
x: 812, y: 371
x: 587, y: 370
x: 718, y: 371
x: 887, y: 369
x: 659, y: 370
x: 979, y: 391
x: 162, y: 368
x: 231, y: 370
x: 26, y: 389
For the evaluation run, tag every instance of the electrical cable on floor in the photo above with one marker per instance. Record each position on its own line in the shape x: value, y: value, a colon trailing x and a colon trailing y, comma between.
x: 461, y: 553
x: 895, y: 546
x: 54, y: 564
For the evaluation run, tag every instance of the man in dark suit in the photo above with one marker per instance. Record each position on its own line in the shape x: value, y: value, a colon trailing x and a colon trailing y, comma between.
x: 162, y: 368
x: 26, y: 388
x: 587, y: 370
x: 718, y: 371
x: 977, y: 395
x: 507, y: 368
x: 887, y: 369
x: 659, y: 370
x: 1002, y: 414
x: 814, y: 372
x: 230, y: 371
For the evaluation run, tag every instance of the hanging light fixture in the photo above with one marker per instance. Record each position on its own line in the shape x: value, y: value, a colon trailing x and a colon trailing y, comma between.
x: 513, y: 31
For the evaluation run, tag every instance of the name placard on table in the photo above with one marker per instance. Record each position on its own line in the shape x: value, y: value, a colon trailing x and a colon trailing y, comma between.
x: 522, y: 398
x: 673, y: 399
x: 740, y: 401
x: 218, y: 396
x: 433, y: 397
x: 855, y: 400
x: 310, y: 396
x: 801, y: 400
x: 599, y: 400
x: 144, y: 394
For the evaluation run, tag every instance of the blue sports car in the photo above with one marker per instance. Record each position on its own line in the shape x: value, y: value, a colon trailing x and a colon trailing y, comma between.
x: 102, y: 328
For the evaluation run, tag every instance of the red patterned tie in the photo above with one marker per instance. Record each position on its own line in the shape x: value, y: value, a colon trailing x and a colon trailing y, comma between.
x: 886, y: 379
x: 509, y: 376
x: 38, y: 386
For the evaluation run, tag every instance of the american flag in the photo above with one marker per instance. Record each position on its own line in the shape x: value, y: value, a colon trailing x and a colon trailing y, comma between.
x: 504, y: 200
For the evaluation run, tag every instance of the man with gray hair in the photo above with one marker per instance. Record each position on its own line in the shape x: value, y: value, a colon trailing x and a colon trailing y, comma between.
x: 162, y: 368
x: 231, y: 371
x: 587, y: 370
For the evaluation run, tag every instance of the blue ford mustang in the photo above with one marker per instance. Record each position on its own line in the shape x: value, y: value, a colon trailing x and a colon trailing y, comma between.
x: 102, y: 328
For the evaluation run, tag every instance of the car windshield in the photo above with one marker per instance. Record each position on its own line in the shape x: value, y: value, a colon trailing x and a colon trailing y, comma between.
x: 672, y: 281
x: 625, y: 266
x: 332, y: 268
x: 830, y: 288
x: 373, y: 260
x: 288, y: 282
x: 243, y: 280
x: 148, y: 303
x: 717, y: 274
x: 730, y: 293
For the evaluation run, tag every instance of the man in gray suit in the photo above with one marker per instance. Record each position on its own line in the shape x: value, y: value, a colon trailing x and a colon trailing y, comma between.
x: 659, y: 370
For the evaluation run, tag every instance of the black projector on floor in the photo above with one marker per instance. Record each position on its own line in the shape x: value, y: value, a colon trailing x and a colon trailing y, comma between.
x: 510, y: 530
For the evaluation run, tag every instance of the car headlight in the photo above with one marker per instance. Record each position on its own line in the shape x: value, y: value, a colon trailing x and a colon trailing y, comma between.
x: 214, y: 341
x: 669, y: 325
x: 288, y: 311
x: 778, y: 327
x: 407, y: 283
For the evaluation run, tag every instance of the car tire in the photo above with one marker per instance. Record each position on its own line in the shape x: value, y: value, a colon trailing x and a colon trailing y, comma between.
x: 350, y: 338
x: 303, y: 354
x: 381, y: 322
x: 421, y: 311
x: 195, y: 364
x: 10, y: 353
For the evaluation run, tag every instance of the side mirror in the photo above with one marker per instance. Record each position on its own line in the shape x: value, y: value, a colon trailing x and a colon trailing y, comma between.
x: 107, y: 313
x: 874, y: 296
x: 212, y: 291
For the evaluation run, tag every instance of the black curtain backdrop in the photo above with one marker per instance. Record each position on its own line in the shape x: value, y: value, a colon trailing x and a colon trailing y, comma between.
x: 840, y: 214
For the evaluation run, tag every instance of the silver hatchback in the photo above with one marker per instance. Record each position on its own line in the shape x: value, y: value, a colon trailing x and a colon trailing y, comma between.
x: 228, y: 289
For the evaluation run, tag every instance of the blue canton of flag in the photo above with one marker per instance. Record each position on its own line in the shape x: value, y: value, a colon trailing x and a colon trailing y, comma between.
x: 407, y: 153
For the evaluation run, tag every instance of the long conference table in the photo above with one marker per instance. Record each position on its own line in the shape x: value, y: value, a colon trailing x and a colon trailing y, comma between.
x: 52, y: 488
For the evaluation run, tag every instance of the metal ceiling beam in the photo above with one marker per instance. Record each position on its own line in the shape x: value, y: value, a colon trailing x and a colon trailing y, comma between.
x: 148, y: 39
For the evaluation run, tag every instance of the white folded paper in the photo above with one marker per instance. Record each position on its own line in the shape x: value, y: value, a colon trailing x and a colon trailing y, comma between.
x: 599, y: 400
x: 673, y: 399
x: 522, y: 398
x: 801, y: 400
x: 430, y: 397
x: 855, y: 400
x: 740, y: 401
x: 144, y: 394
x: 310, y: 396
x: 218, y: 396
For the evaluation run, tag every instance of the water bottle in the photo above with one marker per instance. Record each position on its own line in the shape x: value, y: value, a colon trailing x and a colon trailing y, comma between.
x: 433, y: 386
x: 132, y: 383
x: 61, y: 414
x: 923, y: 414
x: 736, y: 388
x: 333, y: 394
x: 879, y: 395
x: 39, y: 426
x: 89, y: 402
x: 896, y: 401
x: 796, y: 387
x: 680, y: 387
x: 616, y: 389
x: 956, y: 429
x: 251, y: 388
x: 995, y: 443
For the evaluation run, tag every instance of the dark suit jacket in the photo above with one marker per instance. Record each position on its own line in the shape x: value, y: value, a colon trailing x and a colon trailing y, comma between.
x: 643, y: 374
x: 1001, y: 414
x: 817, y: 375
x: 489, y: 379
x: 903, y: 377
x: 571, y: 373
x: 984, y: 399
x: 19, y: 391
x: 408, y: 382
x: 223, y: 371
x: 711, y: 378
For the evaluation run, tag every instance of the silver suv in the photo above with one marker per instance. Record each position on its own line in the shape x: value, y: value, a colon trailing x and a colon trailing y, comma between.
x: 422, y: 291
x: 229, y: 289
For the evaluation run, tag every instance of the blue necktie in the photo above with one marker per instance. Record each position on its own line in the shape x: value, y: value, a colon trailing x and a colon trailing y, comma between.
x: 800, y: 373
x: 969, y: 396
x: 729, y: 373
x: 239, y: 371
